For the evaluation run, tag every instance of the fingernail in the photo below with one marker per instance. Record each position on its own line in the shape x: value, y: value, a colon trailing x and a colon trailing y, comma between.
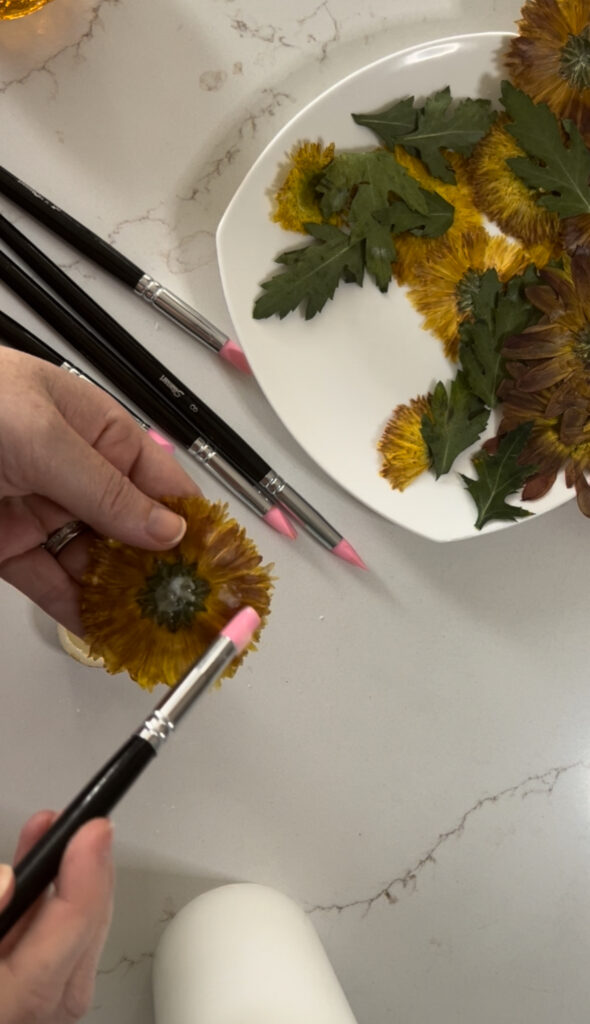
x: 165, y: 526
x: 5, y: 879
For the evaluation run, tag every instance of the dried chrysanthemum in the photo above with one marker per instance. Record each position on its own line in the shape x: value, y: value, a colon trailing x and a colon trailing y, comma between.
x: 153, y: 614
x: 403, y: 449
x: 446, y: 283
x: 411, y: 249
x: 558, y: 439
x: 550, y: 57
x: 296, y: 200
x: 505, y: 199
x: 556, y: 350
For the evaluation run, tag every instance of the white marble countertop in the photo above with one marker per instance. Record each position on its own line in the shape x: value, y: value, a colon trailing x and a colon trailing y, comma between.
x: 407, y: 754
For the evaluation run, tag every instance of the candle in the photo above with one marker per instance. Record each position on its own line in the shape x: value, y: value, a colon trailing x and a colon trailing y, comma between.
x: 245, y: 954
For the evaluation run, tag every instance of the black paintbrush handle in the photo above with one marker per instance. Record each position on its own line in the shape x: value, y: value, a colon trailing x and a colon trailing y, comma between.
x: 41, y: 864
x: 18, y: 337
x: 93, y: 347
x: 69, y: 228
x: 172, y: 391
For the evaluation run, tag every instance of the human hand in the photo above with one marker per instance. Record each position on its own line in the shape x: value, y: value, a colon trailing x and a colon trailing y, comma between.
x: 48, y: 961
x: 69, y: 451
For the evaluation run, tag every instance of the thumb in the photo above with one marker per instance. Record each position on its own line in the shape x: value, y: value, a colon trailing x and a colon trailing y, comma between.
x: 6, y: 885
x: 91, y: 488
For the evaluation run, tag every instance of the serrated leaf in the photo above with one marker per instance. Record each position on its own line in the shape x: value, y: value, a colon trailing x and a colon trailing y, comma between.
x: 499, y: 312
x: 312, y: 274
x: 457, y: 419
x: 560, y: 172
x: 377, y: 171
x: 438, y: 218
x: 397, y: 120
x: 498, y: 476
x: 439, y: 124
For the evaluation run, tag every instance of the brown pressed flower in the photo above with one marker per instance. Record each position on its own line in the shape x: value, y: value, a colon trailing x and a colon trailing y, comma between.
x: 296, y: 200
x: 550, y: 57
x: 153, y: 613
x: 505, y: 199
x: 558, y: 440
x: 411, y: 249
x: 403, y: 449
x: 556, y: 350
x: 445, y: 284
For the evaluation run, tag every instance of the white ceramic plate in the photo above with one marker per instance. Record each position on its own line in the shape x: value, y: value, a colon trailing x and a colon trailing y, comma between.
x: 334, y: 380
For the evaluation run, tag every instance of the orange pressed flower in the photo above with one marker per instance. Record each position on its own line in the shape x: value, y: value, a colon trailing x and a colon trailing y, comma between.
x: 550, y: 57
x: 153, y: 613
x: 403, y: 449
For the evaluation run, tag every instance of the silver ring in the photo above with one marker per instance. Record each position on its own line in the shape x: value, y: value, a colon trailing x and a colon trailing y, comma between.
x: 57, y: 540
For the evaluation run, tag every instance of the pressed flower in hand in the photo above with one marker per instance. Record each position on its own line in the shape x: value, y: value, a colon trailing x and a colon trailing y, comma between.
x: 505, y: 199
x: 550, y: 58
x: 153, y: 614
x: 296, y: 200
x: 403, y: 449
x: 445, y: 284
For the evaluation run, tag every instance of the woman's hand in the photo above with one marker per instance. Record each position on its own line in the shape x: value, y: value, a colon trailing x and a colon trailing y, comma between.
x: 69, y: 451
x: 48, y: 960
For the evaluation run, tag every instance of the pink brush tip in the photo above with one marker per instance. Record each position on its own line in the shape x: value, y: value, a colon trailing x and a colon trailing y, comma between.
x: 279, y: 522
x: 232, y: 352
x: 344, y: 550
x: 241, y: 628
x: 160, y: 440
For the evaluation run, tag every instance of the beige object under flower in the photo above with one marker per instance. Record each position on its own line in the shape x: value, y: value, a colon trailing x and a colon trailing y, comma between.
x: 77, y: 648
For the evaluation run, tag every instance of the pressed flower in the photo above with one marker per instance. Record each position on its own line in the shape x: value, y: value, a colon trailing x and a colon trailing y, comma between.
x: 575, y: 234
x: 153, y: 614
x: 412, y: 249
x: 446, y: 283
x: 556, y: 350
x: 404, y: 452
x: 505, y: 199
x: 550, y: 57
x: 557, y: 440
x: 296, y: 200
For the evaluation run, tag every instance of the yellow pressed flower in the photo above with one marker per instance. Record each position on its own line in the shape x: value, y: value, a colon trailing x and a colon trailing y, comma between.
x: 153, y: 614
x: 411, y: 248
x: 404, y: 452
x: 505, y: 199
x: 445, y: 284
x: 296, y: 200
x: 550, y: 57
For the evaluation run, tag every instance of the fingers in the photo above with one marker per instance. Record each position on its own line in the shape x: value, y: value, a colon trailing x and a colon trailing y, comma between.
x: 40, y: 576
x: 71, y: 442
x: 52, y: 966
x: 30, y: 834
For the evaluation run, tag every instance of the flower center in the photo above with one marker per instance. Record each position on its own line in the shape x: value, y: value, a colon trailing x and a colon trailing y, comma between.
x: 467, y: 291
x: 575, y: 60
x: 173, y: 595
x: 582, y: 345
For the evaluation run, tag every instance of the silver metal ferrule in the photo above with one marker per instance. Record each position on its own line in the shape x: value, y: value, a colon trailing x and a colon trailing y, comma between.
x: 235, y: 482
x: 173, y: 706
x: 75, y: 371
x: 308, y: 516
x: 181, y: 313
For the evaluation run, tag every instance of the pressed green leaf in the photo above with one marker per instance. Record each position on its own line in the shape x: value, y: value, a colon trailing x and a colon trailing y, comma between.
x: 439, y: 124
x: 560, y: 172
x: 457, y: 419
x: 312, y: 273
x: 498, y: 476
x: 377, y: 171
x: 499, y: 312
x: 437, y: 219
